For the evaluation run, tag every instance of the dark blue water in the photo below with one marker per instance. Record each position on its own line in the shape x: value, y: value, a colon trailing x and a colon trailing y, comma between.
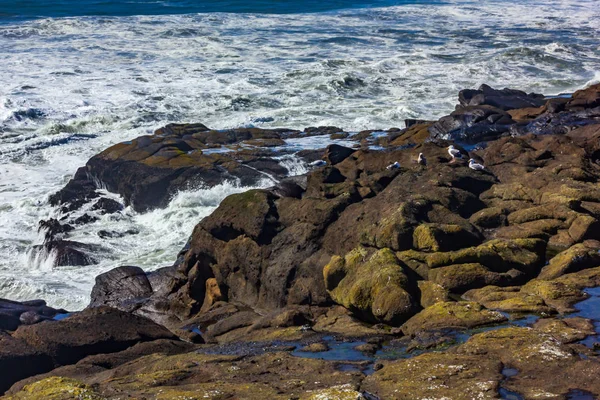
x: 28, y: 9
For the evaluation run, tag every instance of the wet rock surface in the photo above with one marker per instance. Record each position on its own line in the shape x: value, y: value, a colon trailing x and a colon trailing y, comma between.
x: 355, y: 258
x: 15, y: 313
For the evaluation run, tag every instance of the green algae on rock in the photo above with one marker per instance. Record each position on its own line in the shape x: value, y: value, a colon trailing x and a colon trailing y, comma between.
x: 451, y: 315
x: 374, y: 285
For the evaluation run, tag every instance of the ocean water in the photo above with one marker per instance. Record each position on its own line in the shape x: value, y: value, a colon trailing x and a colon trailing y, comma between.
x: 77, y: 77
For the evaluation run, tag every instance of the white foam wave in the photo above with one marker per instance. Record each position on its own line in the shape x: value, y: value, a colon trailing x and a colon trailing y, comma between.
x: 294, y: 164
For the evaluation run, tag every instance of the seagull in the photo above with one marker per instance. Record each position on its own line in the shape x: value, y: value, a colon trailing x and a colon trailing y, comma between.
x: 395, y: 165
x: 422, y: 160
x: 454, y: 153
x: 318, y: 163
x: 475, y: 166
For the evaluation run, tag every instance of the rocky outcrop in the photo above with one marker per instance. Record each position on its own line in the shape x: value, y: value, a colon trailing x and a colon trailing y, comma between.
x: 458, y: 228
x: 370, y: 243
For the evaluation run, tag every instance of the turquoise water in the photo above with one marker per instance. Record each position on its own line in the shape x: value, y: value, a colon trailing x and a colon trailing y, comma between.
x: 70, y: 8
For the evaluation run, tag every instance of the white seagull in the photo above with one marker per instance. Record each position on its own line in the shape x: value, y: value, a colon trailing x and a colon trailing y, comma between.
x: 422, y: 160
x: 318, y: 163
x: 395, y: 165
x: 454, y: 152
x: 475, y: 166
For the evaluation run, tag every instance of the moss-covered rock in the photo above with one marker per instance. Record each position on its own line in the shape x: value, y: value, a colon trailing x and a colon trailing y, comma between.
x: 432, y: 293
x: 525, y: 255
x: 446, y: 315
x: 315, y: 347
x: 546, y: 367
x: 576, y: 258
x: 373, y: 286
x: 556, y: 294
x: 462, y: 277
x: 491, y: 217
x: 567, y: 330
x: 508, y: 299
x: 442, y: 237
x: 57, y: 388
x: 546, y: 211
x: 436, y: 376
x: 585, y: 227
x: 339, y: 320
x: 416, y: 261
x: 540, y: 229
x: 340, y: 392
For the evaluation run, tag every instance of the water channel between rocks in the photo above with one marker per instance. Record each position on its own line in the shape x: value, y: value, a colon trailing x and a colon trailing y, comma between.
x: 348, y: 358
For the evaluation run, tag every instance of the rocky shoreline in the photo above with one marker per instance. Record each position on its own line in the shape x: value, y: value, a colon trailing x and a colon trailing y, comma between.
x: 359, y: 279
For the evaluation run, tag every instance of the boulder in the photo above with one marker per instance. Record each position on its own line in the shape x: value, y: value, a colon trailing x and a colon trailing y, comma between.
x: 585, y: 98
x: 335, y: 154
x: 122, y: 288
x: 504, y: 99
x: 68, y: 252
x: 92, y: 331
x: 575, y: 258
x: 459, y: 278
x: 432, y: 293
x: 491, y: 217
x: 373, y: 286
x: 451, y: 315
x: 509, y: 299
x: 443, y: 237
x: 584, y: 227
x: 525, y: 255
x: 472, y: 124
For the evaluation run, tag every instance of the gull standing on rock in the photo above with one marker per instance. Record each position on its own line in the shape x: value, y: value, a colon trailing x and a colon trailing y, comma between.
x: 454, y: 153
x: 422, y: 160
x: 395, y: 165
x: 475, y: 166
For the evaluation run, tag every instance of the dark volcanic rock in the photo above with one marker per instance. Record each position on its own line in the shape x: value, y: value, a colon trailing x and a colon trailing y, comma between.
x: 53, y: 228
x: 14, y: 313
x: 92, y: 331
x: 148, y: 170
x: 107, y: 206
x: 122, y: 288
x: 78, y: 191
x: 472, y: 124
x: 68, y: 252
x: 267, y: 251
x: 505, y: 99
x: 335, y: 153
x: 18, y: 360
